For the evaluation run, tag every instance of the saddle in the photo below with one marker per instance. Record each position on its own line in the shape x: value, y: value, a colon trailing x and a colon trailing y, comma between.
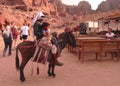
x: 41, y: 51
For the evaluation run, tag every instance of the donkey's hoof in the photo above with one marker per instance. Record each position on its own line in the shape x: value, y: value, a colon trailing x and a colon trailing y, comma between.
x: 53, y: 75
x: 22, y: 79
x: 49, y: 74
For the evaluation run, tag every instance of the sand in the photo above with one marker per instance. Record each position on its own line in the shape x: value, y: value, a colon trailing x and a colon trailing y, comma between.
x: 72, y: 73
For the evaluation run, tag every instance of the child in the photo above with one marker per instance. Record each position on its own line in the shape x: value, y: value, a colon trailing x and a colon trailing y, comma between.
x: 55, y: 49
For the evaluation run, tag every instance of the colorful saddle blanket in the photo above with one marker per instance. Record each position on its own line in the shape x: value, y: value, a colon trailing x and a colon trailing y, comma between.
x: 41, y: 51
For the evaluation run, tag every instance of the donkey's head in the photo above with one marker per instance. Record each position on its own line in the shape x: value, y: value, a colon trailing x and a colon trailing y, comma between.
x: 71, y: 39
x: 68, y: 37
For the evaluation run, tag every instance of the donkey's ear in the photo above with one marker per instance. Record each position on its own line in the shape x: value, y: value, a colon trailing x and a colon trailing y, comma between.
x: 68, y: 32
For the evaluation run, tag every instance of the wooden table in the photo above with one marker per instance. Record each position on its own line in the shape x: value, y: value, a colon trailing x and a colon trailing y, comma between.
x: 97, y: 45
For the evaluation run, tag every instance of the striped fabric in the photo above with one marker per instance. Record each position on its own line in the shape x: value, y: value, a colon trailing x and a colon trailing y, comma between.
x: 41, y: 51
x: 42, y: 56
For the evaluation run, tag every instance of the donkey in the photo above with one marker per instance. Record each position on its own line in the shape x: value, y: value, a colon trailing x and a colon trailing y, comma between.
x: 27, y: 50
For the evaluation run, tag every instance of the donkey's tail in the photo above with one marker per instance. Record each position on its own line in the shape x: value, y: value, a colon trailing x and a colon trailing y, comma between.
x: 17, y: 59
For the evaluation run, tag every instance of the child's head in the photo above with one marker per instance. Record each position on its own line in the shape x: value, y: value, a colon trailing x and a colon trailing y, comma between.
x: 45, y: 25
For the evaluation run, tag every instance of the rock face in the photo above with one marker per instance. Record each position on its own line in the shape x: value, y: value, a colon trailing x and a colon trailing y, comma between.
x: 55, y: 10
x: 12, y: 2
x: 83, y: 8
x: 25, y: 2
x: 39, y: 2
x: 108, y: 5
x: 61, y: 8
x: 25, y: 9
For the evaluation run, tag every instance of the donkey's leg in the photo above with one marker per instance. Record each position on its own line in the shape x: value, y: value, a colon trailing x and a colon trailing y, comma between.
x: 49, y: 68
x: 22, y: 66
x: 22, y: 78
x: 53, y: 69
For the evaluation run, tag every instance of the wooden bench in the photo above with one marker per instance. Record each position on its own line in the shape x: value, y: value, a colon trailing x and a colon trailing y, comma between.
x: 88, y: 47
x: 112, y: 48
x: 98, y: 46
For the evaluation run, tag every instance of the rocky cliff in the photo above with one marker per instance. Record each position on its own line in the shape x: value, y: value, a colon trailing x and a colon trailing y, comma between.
x: 108, y: 5
x: 56, y: 11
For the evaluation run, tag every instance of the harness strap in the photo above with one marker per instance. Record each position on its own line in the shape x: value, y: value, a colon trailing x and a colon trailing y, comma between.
x: 31, y: 46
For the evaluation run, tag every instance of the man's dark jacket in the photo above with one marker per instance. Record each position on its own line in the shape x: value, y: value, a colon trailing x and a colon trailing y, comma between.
x: 38, y: 30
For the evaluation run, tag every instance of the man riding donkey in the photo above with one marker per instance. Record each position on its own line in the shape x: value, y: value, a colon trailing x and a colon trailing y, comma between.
x: 44, y: 44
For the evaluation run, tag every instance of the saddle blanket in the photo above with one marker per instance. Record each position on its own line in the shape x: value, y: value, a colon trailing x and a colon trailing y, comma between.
x: 41, y: 53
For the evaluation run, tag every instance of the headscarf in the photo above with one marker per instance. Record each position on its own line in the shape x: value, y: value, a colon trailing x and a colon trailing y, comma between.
x: 6, y: 32
x: 38, y: 16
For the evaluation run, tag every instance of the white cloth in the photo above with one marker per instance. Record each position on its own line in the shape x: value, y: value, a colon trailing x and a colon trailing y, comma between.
x: 24, y: 30
x: 110, y: 35
x: 45, y: 43
x: 7, y: 31
x: 45, y: 40
x: 38, y: 16
x: 54, y: 49
x: 7, y: 28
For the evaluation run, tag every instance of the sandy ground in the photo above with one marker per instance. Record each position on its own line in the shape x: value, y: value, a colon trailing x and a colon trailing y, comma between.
x: 73, y: 73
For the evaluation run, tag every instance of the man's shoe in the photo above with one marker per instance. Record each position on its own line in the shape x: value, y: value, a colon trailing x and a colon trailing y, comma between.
x: 59, y: 64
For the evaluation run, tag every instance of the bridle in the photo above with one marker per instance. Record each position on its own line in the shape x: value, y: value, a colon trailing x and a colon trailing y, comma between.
x: 69, y: 36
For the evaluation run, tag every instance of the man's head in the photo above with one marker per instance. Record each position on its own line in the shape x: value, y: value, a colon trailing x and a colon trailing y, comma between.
x: 38, y: 17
